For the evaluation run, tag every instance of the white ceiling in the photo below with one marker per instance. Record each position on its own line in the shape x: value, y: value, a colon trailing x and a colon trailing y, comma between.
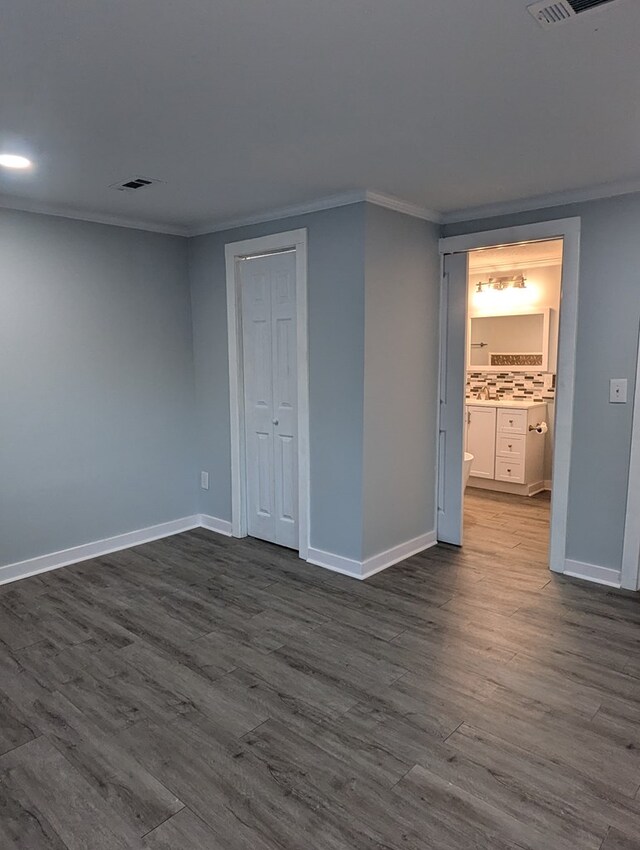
x: 521, y: 255
x: 243, y: 106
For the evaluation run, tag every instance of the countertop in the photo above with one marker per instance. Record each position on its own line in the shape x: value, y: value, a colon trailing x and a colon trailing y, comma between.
x: 511, y: 403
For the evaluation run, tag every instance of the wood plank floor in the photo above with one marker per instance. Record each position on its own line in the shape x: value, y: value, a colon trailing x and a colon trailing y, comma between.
x: 201, y: 693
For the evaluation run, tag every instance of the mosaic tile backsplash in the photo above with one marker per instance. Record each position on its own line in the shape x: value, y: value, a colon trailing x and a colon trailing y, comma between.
x: 507, y: 360
x: 520, y: 386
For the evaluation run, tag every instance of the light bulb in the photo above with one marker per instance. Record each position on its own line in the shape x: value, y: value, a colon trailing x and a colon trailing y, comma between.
x: 10, y: 160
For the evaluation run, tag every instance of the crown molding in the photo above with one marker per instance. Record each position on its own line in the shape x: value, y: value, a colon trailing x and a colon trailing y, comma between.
x: 23, y: 205
x: 598, y: 192
x: 593, y: 193
x: 397, y: 204
x: 328, y: 203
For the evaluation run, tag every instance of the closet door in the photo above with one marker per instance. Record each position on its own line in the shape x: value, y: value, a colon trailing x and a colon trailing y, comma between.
x: 268, y: 291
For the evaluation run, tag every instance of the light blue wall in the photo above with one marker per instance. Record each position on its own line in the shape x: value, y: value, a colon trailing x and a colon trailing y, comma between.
x: 607, y: 345
x: 96, y: 383
x: 101, y: 431
x: 336, y: 369
x: 402, y: 273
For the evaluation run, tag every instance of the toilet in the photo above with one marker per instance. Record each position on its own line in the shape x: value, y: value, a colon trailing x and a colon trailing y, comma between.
x: 466, y: 471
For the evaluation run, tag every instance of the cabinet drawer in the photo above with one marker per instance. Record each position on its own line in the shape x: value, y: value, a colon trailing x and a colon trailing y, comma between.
x: 510, y: 446
x: 509, y: 470
x: 512, y: 421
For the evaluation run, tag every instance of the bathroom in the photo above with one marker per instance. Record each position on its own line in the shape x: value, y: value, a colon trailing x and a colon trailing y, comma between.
x: 511, y: 361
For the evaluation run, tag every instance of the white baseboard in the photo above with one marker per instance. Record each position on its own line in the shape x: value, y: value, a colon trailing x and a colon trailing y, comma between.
x: 506, y: 487
x: 65, y: 557
x: 336, y: 563
x: 54, y: 560
x: 379, y: 562
x: 376, y: 563
x: 97, y: 548
x: 212, y: 523
x: 592, y: 572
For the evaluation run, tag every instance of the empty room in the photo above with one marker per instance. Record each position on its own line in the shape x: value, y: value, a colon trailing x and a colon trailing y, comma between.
x: 319, y: 430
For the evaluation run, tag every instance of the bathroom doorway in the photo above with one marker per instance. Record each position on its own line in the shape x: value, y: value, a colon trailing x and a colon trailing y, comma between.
x: 513, y: 306
x: 506, y: 386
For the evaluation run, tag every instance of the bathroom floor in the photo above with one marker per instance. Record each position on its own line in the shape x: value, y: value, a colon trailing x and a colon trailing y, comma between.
x: 497, y: 522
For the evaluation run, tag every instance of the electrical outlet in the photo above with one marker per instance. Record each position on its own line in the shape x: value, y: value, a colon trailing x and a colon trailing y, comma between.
x: 204, y: 480
x: 618, y: 390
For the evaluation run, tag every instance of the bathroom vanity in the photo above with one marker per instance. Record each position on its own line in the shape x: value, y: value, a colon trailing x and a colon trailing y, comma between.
x: 507, y: 441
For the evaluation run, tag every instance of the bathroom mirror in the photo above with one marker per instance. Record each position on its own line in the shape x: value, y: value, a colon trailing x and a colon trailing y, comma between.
x: 516, y: 342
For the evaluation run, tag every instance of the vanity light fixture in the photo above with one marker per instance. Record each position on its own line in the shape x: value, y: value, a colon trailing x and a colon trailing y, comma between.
x: 500, y: 283
x: 11, y: 160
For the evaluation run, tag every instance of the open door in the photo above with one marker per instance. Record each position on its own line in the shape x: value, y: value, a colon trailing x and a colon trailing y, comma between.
x: 453, y: 325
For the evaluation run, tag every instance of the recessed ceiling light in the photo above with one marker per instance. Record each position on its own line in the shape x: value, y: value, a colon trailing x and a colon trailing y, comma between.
x: 10, y: 160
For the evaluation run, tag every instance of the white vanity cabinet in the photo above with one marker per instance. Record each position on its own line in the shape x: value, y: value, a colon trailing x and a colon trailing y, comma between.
x: 508, y: 451
x: 481, y: 440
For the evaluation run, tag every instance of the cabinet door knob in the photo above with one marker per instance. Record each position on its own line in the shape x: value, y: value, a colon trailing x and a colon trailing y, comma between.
x: 510, y: 446
x: 276, y: 421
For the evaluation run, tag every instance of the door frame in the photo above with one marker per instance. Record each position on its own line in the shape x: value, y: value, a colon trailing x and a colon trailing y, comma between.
x: 630, y: 577
x: 295, y: 240
x: 567, y: 229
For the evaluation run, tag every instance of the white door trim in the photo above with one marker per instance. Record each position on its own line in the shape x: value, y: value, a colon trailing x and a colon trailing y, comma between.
x: 234, y: 251
x: 630, y: 578
x: 569, y: 230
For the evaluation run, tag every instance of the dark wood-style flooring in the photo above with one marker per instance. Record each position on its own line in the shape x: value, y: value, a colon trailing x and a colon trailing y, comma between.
x: 201, y: 693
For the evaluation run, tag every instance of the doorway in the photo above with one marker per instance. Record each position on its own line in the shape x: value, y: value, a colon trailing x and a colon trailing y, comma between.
x: 510, y: 434
x: 631, y: 551
x: 268, y: 388
x: 513, y: 308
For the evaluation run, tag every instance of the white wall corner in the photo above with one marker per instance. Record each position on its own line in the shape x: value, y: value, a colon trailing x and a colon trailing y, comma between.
x: 212, y: 523
x: 592, y: 572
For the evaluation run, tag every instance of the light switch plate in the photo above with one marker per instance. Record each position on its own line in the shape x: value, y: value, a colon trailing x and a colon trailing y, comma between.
x: 618, y: 390
x: 204, y: 480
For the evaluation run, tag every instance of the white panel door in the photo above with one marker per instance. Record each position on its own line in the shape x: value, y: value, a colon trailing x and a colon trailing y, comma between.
x: 268, y: 293
x: 481, y: 440
x: 453, y: 328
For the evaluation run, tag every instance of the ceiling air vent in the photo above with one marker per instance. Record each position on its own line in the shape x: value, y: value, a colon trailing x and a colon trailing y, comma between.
x: 134, y: 184
x: 548, y: 14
